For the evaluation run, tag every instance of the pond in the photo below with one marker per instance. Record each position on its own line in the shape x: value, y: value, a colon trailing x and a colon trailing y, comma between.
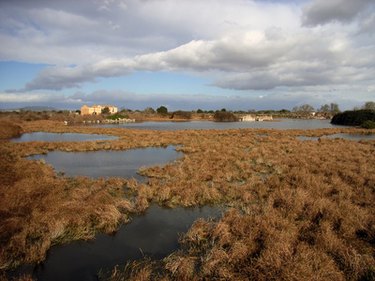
x: 154, y: 234
x: 352, y: 137
x: 61, y: 137
x: 281, y: 124
x: 110, y: 163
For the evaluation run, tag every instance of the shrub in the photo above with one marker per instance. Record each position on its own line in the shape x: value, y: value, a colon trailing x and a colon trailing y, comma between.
x: 162, y: 110
x: 353, y: 118
x: 181, y: 114
x: 106, y: 110
x: 223, y: 116
x: 117, y: 116
x: 368, y: 124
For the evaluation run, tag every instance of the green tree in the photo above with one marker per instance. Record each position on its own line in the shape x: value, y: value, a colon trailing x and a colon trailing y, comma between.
x: 334, y: 108
x: 199, y: 111
x: 105, y: 110
x: 324, y: 108
x: 149, y: 110
x: 162, y: 110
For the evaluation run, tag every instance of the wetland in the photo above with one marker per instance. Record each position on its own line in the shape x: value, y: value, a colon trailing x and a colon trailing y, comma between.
x: 293, y: 209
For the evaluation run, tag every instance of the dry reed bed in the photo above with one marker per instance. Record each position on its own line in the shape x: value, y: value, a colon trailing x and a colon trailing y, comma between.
x: 301, y: 210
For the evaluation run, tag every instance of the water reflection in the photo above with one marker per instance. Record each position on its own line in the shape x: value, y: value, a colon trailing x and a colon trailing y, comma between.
x: 108, y: 163
x: 154, y: 234
x: 57, y: 137
x: 281, y: 124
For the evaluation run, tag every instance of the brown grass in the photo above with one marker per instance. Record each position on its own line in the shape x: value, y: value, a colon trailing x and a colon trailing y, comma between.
x: 299, y: 209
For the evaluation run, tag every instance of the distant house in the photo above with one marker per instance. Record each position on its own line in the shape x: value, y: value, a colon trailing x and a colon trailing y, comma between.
x: 97, y: 109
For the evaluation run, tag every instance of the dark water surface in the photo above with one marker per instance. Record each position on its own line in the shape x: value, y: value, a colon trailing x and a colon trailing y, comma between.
x: 154, y: 234
x: 281, y: 124
x: 352, y: 137
x: 55, y: 137
x: 108, y: 163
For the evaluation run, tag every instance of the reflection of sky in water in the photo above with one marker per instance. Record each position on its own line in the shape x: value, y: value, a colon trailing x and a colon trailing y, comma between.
x: 108, y: 163
x: 282, y: 124
x: 54, y: 137
x: 353, y: 137
x: 154, y: 234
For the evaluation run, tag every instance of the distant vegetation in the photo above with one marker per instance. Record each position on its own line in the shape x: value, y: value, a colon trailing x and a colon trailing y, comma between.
x: 162, y: 110
x: 368, y: 124
x: 117, y: 116
x: 106, y: 110
x: 354, y: 117
x: 181, y: 114
x: 224, y: 116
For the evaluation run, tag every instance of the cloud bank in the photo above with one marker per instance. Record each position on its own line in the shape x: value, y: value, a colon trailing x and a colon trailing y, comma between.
x: 242, y: 45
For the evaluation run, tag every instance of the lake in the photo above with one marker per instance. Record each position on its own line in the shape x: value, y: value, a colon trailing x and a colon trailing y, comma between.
x: 281, y: 124
x: 109, y: 163
x: 63, y: 137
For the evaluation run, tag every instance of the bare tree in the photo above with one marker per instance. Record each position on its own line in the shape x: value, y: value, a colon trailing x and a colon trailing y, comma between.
x: 370, y: 105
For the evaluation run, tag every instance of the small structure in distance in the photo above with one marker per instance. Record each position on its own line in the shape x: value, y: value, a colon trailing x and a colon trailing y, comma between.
x: 97, y: 109
x: 253, y: 117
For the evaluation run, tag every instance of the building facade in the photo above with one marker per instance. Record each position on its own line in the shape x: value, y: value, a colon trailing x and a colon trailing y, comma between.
x: 97, y: 109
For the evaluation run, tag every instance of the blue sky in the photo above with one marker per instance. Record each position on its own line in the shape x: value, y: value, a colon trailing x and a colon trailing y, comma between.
x: 238, y: 54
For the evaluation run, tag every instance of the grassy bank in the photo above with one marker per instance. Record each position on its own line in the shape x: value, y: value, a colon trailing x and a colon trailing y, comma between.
x: 299, y: 209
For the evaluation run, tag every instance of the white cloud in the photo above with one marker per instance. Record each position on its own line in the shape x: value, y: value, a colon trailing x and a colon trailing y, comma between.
x: 240, y: 44
x: 79, y: 32
x: 247, y: 61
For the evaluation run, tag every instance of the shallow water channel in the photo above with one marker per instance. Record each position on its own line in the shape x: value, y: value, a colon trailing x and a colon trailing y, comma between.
x: 108, y: 163
x: 154, y: 234
x: 57, y: 137
x: 352, y: 137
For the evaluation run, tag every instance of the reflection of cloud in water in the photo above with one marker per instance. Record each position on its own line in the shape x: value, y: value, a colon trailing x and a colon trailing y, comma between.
x: 154, y: 234
x: 56, y: 137
x: 109, y: 163
x: 282, y: 124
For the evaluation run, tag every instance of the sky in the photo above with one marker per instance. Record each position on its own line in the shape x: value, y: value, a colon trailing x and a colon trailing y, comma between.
x: 187, y: 54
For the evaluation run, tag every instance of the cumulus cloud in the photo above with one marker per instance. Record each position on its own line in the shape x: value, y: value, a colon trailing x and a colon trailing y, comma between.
x: 57, y: 78
x: 79, y: 32
x: 251, y: 46
x: 323, y: 11
x: 247, y: 61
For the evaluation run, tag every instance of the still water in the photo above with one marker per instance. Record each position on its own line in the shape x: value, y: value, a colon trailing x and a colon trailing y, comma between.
x: 154, y: 234
x: 55, y: 137
x: 281, y: 124
x: 352, y: 137
x: 111, y: 163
